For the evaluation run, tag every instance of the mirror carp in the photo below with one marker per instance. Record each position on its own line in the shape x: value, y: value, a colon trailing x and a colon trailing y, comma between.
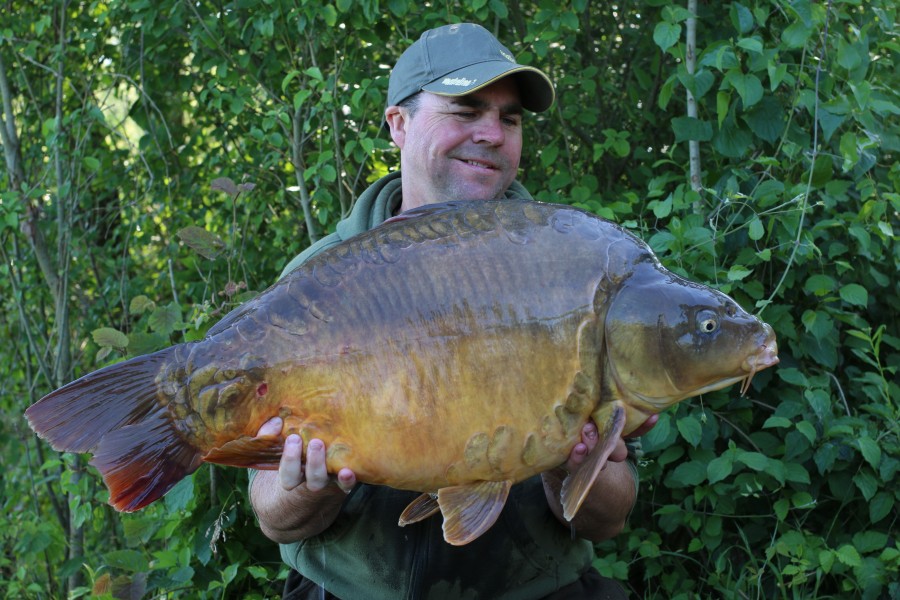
x: 454, y: 350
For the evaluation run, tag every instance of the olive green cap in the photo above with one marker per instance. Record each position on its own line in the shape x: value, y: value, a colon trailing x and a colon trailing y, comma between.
x: 455, y: 60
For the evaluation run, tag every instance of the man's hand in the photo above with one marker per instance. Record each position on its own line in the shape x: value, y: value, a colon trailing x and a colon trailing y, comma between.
x: 590, y: 436
x: 291, y: 470
x: 300, y: 500
x: 608, y: 504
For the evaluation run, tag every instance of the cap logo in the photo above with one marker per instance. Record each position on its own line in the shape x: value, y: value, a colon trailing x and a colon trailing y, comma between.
x: 507, y: 57
x: 460, y: 81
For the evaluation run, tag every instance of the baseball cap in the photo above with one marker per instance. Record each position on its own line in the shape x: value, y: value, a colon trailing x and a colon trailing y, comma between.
x: 459, y: 59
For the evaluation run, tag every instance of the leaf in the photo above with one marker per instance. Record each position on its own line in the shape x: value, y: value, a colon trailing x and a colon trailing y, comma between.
x: 180, y: 495
x: 690, y: 429
x: 128, y: 560
x: 720, y: 467
x: 206, y: 244
x: 738, y: 272
x: 755, y: 230
x: 741, y: 17
x: 666, y: 35
x: 826, y: 560
x: 690, y: 128
x: 164, y: 319
x: 871, y: 451
x: 880, y: 506
x: 109, y: 337
x: 223, y: 184
x: 848, y: 555
x: 746, y: 85
x: 853, y: 293
x: 766, y: 119
x: 754, y: 460
x: 796, y: 35
x: 140, y: 304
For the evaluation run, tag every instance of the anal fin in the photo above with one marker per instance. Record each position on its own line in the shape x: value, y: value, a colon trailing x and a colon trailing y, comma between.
x: 610, y: 420
x: 419, y: 509
x: 469, y: 510
x: 263, y: 452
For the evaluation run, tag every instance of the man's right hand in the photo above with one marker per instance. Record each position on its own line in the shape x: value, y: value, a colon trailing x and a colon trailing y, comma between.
x: 300, y: 500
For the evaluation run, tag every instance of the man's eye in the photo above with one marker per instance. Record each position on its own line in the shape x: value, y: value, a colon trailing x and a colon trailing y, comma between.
x: 511, y: 121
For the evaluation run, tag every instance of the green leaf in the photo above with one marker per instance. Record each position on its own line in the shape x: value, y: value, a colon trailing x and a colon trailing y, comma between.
x: 741, y: 17
x: 767, y: 119
x: 754, y: 460
x: 848, y: 555
x: 853, y: 293
x: 738, y: 273
x: 140, y: 304
x: 746, y: 85
x: 329, y: 14
x: 127, y: 560
x: 180, y: 495
x: 720, y: 467
x: 849, y: 150
x: 109, y: 337
x: 755, y: 230
x: 164, y: 318
x: 880, y: 506
x: 796, y: 35
x: 206, y: 244
x: 689, y: 128
x: 826, y: 560
x: 666, y: 35
x: 751, y: 44
x: 690, y: 429
x: 732, y: 140
x: 871, y: 451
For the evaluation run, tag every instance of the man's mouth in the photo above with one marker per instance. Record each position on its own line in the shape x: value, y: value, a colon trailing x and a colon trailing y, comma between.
x: 478, y: 163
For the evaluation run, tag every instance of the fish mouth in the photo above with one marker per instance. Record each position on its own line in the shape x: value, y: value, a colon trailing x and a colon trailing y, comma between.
x: 766, y: 356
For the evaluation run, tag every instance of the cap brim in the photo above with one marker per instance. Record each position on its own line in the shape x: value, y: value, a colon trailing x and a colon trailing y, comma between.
x: 535, y: 88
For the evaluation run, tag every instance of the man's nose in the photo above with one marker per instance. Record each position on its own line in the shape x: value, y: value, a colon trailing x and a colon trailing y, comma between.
x: 489, y: 130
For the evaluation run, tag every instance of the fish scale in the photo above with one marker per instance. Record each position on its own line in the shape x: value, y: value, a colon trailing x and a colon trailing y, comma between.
x: 454, y: 350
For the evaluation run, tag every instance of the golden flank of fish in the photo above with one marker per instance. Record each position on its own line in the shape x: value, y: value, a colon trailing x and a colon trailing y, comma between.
x: 454, y: 350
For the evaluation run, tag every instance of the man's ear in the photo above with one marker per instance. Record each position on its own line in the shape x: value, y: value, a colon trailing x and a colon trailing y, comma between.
x: 397, y: 121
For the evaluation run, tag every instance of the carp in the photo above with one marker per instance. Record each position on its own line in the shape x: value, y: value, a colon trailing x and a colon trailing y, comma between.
x: 454, y: 350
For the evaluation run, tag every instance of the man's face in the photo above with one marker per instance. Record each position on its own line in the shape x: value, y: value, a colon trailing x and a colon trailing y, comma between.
x: 459, y: 148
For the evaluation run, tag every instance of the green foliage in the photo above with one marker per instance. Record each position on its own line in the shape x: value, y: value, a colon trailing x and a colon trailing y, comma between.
x: 165, y: 159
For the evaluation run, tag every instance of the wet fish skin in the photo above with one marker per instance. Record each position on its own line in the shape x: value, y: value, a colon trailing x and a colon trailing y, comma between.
x: 454, y: 351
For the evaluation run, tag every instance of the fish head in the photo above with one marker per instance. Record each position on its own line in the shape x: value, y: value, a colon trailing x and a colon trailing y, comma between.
x: 668, y: 339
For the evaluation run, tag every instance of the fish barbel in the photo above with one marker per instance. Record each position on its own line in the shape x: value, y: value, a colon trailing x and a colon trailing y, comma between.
x: 453, y: 350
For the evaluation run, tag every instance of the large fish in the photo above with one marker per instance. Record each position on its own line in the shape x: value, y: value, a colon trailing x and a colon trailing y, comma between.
x: 454, y: 350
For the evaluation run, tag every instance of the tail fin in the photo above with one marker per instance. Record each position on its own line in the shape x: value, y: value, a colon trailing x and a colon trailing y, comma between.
x: 116, y: 414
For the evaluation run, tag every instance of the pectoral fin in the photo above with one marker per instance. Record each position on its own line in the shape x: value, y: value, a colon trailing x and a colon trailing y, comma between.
x: 470, y: 510
x: 262, y: 452
x: 610, y: 420
x: 419, y: 509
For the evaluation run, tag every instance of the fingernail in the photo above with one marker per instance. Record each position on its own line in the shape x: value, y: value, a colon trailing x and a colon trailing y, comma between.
x: 292, y: 440
x: 316, y: 445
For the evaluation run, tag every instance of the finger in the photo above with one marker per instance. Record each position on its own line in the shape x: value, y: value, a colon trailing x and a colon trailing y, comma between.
x: 316, y: 472
x: 576, y: 457
x: 271, y: 427
x: 290, y: 469
x: 619, y: 453
x: 346, y: 480
x: 589, y: 435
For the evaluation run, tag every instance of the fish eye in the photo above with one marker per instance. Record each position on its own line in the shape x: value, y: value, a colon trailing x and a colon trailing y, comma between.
x: 707, y: 321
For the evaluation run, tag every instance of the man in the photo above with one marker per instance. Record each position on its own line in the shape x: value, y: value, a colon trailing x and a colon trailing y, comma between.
x: 455, y: 109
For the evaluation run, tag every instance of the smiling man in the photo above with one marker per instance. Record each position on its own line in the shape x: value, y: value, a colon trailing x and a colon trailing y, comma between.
x: 456, y: 101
